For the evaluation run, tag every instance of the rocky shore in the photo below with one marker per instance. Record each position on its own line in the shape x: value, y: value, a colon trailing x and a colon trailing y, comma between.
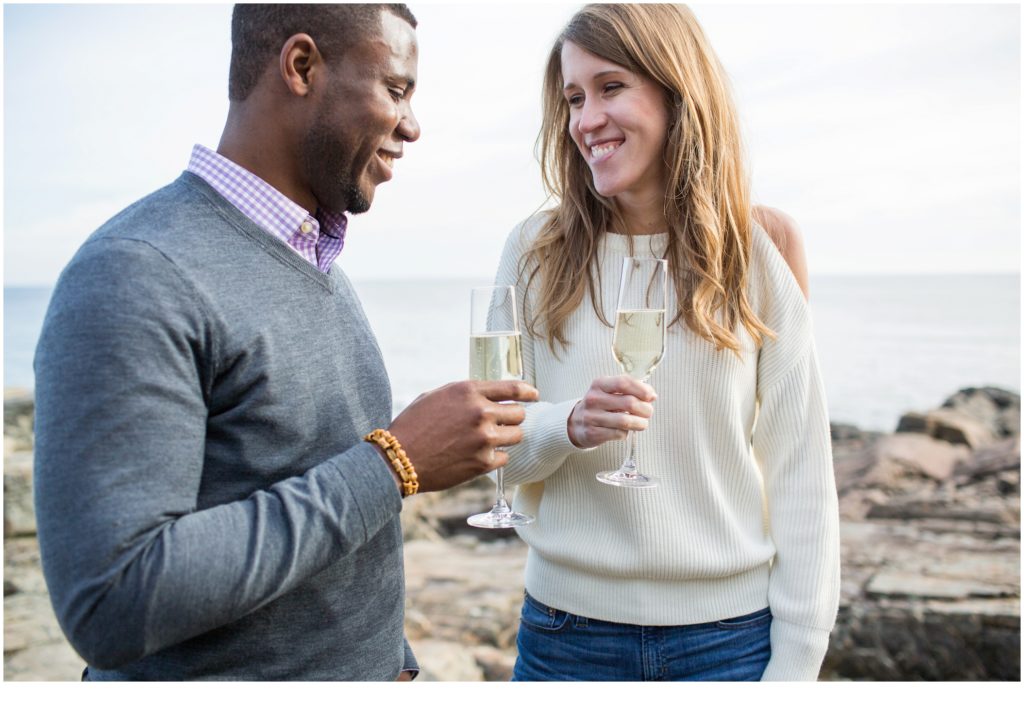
x: 930, y: 551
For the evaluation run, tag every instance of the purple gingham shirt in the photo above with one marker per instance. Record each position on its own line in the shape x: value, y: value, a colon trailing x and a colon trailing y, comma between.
x: 319, y: 239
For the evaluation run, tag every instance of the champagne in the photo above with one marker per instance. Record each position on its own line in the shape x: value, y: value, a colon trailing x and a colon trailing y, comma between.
x: 495, y: 356
x: 639, y: 340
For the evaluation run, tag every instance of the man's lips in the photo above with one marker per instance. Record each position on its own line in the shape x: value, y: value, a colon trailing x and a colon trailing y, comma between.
x: 388, y: 159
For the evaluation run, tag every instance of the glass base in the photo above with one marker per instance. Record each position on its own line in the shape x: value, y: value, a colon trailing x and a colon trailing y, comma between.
x: 499, y: 518
x: 619, y: 478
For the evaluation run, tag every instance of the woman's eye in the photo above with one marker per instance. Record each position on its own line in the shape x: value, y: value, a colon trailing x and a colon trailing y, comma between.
x: 612, y: 87
x: 574, y: 100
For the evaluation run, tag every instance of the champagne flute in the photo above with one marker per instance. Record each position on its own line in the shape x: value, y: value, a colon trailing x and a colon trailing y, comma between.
x: 638, y: 345
x: 495, y: 353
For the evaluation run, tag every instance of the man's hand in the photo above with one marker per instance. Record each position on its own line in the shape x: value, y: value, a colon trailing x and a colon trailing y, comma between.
x: 611, y: 407
x: 405, y: 676
x: 451, y: 434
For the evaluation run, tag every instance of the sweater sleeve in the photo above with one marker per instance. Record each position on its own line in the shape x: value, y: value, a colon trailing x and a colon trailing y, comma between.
x: 792, y: 445
x: 545, y: 444
x: 132, y: 563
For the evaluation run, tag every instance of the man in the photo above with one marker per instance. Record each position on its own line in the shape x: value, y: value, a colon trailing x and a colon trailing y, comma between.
x: 207, y: 506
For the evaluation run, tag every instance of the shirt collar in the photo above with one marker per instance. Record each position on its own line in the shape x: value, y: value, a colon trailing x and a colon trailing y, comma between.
x: 258, y: 200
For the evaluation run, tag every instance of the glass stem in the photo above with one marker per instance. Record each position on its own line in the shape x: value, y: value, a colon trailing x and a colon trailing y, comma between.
x: 500, y: 504
x: 629, y: 466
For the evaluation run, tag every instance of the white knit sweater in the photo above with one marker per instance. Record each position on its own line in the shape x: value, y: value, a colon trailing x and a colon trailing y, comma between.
x: 743, y: 455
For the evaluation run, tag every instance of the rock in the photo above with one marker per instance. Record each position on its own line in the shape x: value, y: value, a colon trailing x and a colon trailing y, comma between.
x: 917, y: 586
x: 930, y: 549
x: 444, y: 661
x: 417, y: 626
x: 974, y: 417
x: 1000, y: 457
x: 912, y: 422
x: 416, y: 524
x: 496, y: 665
x: 19, y: 417
x: 852, y: 459
x: 921, y: 455
x: 48, y: 662
x: 926, y: 641
x: 998, y: 409
x: 469, y: 592
x: 947, y: 425
x: 906, y: 509
x: 19, y: 509
x: 928, y: 599
x: 845, y: 432
x: 958, y: 428
x: 35, y: 648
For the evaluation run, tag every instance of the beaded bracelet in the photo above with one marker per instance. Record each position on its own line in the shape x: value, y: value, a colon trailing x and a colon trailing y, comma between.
x: 399, y: 460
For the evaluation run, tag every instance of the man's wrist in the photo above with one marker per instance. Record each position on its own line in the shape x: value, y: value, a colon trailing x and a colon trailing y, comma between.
x: 394, y: 475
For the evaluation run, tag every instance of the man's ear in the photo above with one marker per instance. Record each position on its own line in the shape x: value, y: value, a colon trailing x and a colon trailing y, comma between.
x: 300, y: 60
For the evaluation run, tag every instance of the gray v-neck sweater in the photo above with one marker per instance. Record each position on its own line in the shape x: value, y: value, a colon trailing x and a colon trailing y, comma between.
x: 206, y: 506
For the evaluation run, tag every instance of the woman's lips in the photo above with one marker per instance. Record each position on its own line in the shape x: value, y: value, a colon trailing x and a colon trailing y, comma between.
x: 600, y: 152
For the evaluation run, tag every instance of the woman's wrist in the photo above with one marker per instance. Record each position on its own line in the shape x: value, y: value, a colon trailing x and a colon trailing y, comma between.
x: 569, y: 426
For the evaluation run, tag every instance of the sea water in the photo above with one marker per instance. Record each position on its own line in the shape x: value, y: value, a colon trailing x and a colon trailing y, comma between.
x: 886, y: 344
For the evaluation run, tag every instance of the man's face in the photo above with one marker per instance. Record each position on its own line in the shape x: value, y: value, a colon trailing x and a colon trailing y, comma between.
x: 363, y: 119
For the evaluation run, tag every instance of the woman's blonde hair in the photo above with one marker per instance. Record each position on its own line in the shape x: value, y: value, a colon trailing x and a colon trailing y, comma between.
x: 707, y: 199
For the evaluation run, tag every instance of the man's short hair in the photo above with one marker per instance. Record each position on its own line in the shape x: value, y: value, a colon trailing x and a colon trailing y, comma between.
x: 259, y: 31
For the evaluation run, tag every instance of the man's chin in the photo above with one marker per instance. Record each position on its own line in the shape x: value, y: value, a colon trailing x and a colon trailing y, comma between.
x: 360, y: 199
x: 354, y: 201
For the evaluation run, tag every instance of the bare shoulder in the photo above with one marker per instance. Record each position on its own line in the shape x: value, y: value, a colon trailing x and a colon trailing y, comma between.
x: 786, y: 235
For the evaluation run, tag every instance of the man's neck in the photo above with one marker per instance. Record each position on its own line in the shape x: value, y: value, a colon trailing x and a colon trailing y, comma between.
x: 262, y: 148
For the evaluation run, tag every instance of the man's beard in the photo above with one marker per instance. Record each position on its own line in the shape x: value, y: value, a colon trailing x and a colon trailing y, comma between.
x: 329, y: 167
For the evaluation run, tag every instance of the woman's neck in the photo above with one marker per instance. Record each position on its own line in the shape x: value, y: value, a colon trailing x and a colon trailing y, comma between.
x: 639, y: 217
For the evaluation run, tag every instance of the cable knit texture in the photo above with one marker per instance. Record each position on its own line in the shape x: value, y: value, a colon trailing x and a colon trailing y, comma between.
x: 745, y: 514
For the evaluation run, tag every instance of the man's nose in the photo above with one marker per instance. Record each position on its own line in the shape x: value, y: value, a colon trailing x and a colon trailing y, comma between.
x: 408, y: 127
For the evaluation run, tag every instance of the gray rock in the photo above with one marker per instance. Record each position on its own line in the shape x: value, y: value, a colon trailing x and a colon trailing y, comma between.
x: 35, y: 648
x: 912, y: 422
x: 920, y: 455
x: 926, y: 641
x: 956, y: 427
x: 496, y: 665
x: 19, y: 509
x: 445, y: 661
x: 845, y: 432
x: 991, y: 460
x: 998, y: 409
x: 930, y: 547
x: 973, y: 417
x: 19, y: 417
x: 904, y: 585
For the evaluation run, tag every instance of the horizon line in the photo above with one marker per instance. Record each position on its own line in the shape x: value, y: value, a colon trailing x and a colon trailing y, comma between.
x: 434, y: 278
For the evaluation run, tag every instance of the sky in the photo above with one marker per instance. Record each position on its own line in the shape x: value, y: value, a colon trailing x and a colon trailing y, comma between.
x: 890, y: 133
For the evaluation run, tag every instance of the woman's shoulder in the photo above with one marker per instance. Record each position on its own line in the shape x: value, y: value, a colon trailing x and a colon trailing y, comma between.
x: 774, y: 229
x: 523, y: 234
x: 529, y: 228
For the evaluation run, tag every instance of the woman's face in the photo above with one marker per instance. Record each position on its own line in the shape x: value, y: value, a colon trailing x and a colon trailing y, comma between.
x: 619, y: 122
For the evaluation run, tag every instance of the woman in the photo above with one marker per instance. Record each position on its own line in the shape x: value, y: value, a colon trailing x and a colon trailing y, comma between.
x: 729, y: 569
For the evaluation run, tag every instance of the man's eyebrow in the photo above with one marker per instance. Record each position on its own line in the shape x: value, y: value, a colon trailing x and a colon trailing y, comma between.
x: 600, y: 74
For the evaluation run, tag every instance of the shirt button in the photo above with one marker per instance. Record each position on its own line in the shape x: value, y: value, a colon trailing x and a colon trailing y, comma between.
x: 306, y: 227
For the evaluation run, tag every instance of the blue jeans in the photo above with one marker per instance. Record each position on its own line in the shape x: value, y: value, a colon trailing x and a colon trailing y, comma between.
x: 558, y: 646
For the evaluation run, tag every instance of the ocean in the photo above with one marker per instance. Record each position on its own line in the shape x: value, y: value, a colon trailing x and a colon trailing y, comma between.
x: 886, y: 344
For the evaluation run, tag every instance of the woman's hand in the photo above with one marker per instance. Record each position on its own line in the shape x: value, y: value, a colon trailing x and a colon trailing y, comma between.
x: 610, y: 408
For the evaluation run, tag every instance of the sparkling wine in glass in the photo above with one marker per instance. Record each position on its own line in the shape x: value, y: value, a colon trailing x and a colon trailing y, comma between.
x: 638, y: 345
x: 495, y: 353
